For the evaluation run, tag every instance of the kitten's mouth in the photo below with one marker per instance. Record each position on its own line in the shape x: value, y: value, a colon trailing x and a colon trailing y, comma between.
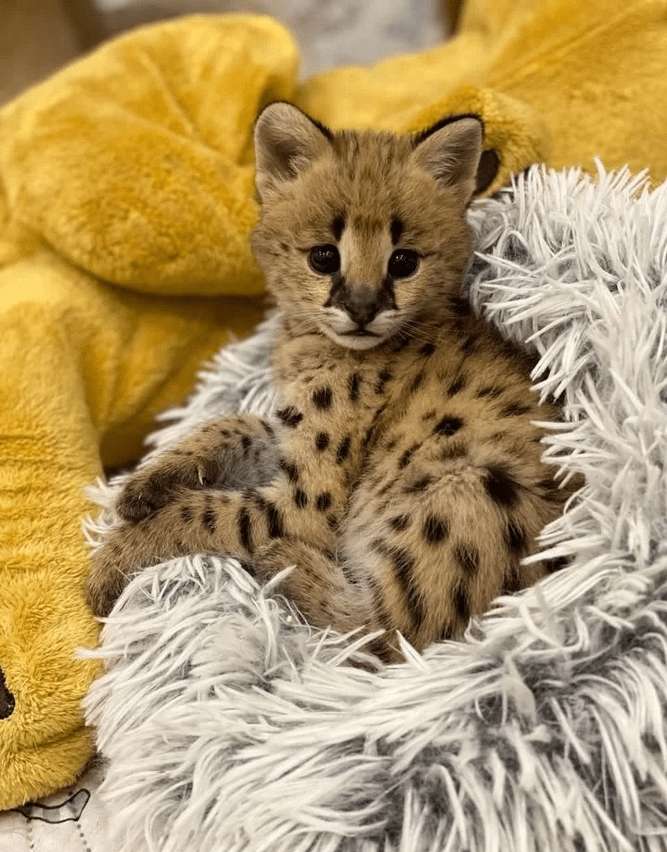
x: 359, y: 338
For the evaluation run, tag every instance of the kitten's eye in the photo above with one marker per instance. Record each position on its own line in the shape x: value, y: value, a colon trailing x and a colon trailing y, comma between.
x: 324, y: 259
x: 403, y: 263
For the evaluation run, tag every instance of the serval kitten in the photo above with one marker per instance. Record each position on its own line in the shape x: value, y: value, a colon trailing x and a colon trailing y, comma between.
x: 401, y: 474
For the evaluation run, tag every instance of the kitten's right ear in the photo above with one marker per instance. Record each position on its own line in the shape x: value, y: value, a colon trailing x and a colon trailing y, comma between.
x: 287, y: 141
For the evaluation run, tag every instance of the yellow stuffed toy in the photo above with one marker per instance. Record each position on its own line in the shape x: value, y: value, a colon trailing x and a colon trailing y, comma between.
x: 126, y: 199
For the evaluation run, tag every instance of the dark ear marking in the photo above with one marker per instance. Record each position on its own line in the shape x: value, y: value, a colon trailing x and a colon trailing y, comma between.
x: 488, y: 168
x: 449, y: 119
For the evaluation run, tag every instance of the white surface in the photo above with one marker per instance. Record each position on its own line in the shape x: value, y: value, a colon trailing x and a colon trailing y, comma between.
x: 73, y: 820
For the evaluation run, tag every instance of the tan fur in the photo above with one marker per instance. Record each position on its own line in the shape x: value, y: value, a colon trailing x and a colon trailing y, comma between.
x: 402, y: 475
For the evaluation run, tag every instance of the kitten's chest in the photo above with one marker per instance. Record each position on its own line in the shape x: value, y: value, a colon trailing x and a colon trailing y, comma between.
x: 320, y: 380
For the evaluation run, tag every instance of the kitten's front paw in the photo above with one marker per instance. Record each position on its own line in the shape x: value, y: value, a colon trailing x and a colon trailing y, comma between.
x: 149, y: 490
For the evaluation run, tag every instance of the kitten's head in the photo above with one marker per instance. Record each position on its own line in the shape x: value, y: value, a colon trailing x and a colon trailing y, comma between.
x: 363, y: 235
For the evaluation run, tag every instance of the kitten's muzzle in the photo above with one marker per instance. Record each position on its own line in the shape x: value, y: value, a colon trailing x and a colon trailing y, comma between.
x: 361, y: 304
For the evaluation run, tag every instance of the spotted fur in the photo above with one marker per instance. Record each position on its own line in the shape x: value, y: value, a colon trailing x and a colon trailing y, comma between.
x: 402, y: 473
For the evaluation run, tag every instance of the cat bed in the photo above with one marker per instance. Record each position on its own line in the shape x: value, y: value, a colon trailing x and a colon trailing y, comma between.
x: 126, y: 198
x: 230, y: 724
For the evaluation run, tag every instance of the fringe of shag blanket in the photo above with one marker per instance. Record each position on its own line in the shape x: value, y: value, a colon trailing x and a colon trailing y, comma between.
x: 231, y: 725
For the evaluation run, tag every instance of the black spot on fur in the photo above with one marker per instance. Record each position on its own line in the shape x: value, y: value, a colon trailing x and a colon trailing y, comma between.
x: 458, y: 384
x: 323, y: 501
x: 448, y: 426
x: 245, y: 532
x: 429, y: 415
x: 268, y: 428
x: 420, y: 484
x: 462, y: 603
x: 322, y: 441
x: 290, y: 416
x: 274, y: 521
x: 246, y: 443
x: 400, y: 522
x: 186, y: 514
x: 459, y: 307
x: 405, y: 459
x: 436, y: 529
x: 343, y: 450
x: 403, y: 570
x: 516, y: 539
x: 300, y: 498
x: 332, y: 522
x: 322, y: 398
x: 515, y: 409
x: 427, y: 349
x: 208, y: 519
x: 468, y: 558
x: 502, y: 487
x: 490, y: 392
x: 290, y: 469
x: 417, y: 382
x: 396, y: 229
x: 383, y: 377
x: 353, y: 387
x: 337, y: 227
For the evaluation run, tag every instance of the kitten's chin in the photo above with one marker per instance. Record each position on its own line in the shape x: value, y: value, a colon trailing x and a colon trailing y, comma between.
x: 354, y: 341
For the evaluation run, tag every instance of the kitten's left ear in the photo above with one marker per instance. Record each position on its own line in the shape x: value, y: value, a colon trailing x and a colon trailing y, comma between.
x: 287, y: 141
x: 450, y: 151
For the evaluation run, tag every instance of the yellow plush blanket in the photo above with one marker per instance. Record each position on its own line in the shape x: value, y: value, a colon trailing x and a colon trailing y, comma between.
x: 125, y: 204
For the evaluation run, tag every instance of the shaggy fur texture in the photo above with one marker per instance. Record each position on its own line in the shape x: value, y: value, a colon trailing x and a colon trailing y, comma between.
x: 229, y: 724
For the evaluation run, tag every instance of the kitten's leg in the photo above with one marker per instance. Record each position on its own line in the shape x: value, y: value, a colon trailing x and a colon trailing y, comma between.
x: 236, y: 523
x: 317, y: 585
x: 194, y: 521
x: 449, y: 538
x: 239, y: 451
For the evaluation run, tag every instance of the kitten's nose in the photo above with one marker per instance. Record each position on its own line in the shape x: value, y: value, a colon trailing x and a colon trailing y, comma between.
x: 361, y: 305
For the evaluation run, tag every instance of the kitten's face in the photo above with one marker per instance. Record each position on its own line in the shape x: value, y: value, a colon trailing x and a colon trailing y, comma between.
x: 362, y: 235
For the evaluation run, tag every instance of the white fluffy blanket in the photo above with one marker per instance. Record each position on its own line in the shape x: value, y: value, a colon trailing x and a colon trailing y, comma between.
x: 230, y: 725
